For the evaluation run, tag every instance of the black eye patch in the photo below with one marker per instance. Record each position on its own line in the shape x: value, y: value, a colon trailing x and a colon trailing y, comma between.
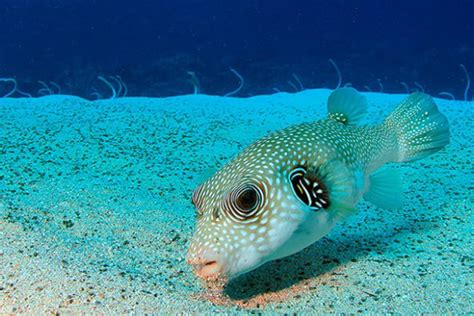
x: 309, y: 189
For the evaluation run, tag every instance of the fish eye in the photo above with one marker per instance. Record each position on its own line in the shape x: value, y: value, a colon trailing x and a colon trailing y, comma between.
x: 247, y: 199
x: 244, y: 202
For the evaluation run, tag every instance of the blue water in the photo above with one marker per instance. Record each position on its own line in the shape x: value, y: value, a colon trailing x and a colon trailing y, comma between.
x: 152, y: 44
x: 114, y: 112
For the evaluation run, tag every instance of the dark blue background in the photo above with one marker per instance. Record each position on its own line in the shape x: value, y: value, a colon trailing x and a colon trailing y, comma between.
x: 152, y: 44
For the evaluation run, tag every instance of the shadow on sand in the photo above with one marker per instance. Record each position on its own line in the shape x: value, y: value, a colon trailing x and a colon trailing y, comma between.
x: 326, y: 257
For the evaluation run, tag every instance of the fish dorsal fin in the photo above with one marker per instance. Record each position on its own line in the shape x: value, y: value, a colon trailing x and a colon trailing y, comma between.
x: 385, y: 189
x: 347, y: 106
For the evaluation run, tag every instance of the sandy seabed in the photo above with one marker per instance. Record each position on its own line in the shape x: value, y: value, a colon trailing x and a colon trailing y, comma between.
x: 95, y: 212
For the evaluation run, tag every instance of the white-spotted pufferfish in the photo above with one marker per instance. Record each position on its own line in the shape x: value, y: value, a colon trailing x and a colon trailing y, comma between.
x: 288, y: 189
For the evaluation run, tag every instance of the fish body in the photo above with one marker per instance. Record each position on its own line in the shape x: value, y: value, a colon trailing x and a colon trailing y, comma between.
x: 290, y: 188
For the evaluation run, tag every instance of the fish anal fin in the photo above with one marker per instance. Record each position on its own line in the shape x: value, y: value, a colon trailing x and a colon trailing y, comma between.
x: 385, y: 189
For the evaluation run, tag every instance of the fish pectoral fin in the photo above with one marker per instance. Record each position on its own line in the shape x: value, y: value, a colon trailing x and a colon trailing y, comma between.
x: 385, y: 189
x: 347, y: 106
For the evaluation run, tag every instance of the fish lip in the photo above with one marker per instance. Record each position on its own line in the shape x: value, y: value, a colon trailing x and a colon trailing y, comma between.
x: 206, y: 274
x: 209, y: 271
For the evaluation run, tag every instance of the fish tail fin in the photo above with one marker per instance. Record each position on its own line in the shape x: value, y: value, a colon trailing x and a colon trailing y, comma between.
x: 420, y: 128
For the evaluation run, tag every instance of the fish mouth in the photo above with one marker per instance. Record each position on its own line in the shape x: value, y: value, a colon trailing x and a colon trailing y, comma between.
x: 207, y: 270
x: 210, y: 271
x: 206, y: 263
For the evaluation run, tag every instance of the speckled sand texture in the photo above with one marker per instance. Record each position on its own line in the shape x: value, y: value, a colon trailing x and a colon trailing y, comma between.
x: 95, y: 212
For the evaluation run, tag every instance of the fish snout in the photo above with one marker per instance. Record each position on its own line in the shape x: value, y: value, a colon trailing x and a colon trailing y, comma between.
x: 206, y: 263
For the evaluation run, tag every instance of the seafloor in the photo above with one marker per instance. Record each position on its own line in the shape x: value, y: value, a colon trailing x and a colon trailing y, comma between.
x: 95, y: 212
